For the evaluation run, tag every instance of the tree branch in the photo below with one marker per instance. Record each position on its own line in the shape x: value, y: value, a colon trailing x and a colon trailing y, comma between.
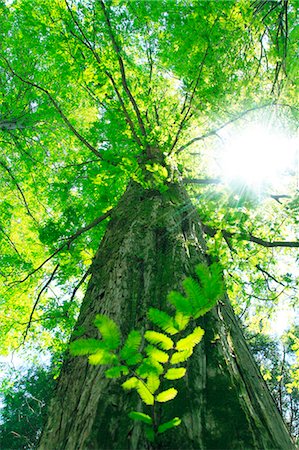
x: 57, y: 107
x: 187, y: 113
x: 202, y: 181
x: 37, y: 300
x: 10, y: 241
x: 7, y: 169
x: 66, y: 244
x: 210, y: 231
x: 80, y: 284
x: 122, y: 70
x: 232, y: 120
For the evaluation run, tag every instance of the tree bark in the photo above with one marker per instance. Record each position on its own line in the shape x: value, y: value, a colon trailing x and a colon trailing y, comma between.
x: 152, y: 242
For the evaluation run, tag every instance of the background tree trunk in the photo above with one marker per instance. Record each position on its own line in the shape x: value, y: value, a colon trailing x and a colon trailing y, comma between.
x: 153, y: 240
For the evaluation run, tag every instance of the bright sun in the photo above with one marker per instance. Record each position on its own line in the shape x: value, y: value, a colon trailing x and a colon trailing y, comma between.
x: 257, y: 156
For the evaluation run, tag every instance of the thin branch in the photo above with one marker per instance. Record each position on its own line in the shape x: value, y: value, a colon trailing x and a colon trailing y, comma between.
x: 37, y: 300
x: 10, y: 241
x: 57, y: 107
x: 269, y: 275
x: 202, y: 181
x: 85, y: 41
x: 122, y: 70
x: 234, y: 119
x: 66, y: 244
x: 126, y: 113
x: 7, y: 169
x: 187, y: 115
x: 277, y: 197
x: 250, y: 238
x: 80, y: 284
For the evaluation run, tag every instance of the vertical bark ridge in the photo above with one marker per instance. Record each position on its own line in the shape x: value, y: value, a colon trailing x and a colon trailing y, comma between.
x: 153, y: 240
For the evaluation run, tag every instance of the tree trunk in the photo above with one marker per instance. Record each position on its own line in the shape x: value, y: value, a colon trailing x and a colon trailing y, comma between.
x: 153, y: 240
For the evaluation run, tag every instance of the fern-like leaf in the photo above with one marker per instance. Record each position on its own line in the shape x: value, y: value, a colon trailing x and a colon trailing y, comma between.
x: 116, y: 372
x: 175, y: 374
x: 162, y: 320
x: 194, y: 293
x: 181, y: 303
x: 191, y: 340
x: 85, y: 346
x: 103, y: 357
x: 181, y: 356
x: 149, y: 366
x: 167, y: 395
x: 130, y: 383
x: 168, y: 425
x: 153, y: 383
x: 131, y: 344
x: 156, y: 354
x: 109, y: 331
x: 181, y: 321
x: 129, y: 351
x: 211, y: 281
x: 159, y: 339
x: 136, y: 415
x: 144, y: 393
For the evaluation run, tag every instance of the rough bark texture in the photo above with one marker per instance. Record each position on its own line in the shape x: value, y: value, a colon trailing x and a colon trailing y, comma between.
x: 152, y: 242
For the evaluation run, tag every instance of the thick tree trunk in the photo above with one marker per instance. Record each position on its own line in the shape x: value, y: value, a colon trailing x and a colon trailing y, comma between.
x: 153, y: 240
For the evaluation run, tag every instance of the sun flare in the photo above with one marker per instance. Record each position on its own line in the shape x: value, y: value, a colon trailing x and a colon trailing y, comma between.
x: 257, y: 156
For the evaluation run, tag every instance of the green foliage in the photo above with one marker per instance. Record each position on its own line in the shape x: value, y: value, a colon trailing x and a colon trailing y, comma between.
x: 135, y: 415
x: 191, y: 340
x: 168, y: 425
x: 23, y: 407
x: 175, y: 373
x: 109, y: 331
x: 162, y: 320
x: 159, y: 339
x: 86, y: 346
x: 167, y: 395
x: 148, y: 367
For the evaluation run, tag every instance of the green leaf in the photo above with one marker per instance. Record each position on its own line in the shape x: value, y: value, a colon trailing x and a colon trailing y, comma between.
x: 116, y: 372
x: 144, y: 393
x: 167, y: 395
x: 136, y: 358
x: 131, y: 383
x: 153, y: 382
x: 211, y: 281
x: 181, y: 321
x: 181, y: 356
x: 162, y: 320
x: 175, y: 373
x: 194, y: 293
x: 181, y: 303
x: 168, y: 425
x: 135, y: 415
x: 102, y: 356
x: 131, y: 345
x: 159, y: 339
x: 85, y: 346
x: 155, y: 354
x: 109, y: 331
x: 149, y: 366
x: 191, y: 340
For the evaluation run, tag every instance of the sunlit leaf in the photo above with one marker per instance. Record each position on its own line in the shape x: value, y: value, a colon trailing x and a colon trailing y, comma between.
x: 167, y: 395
